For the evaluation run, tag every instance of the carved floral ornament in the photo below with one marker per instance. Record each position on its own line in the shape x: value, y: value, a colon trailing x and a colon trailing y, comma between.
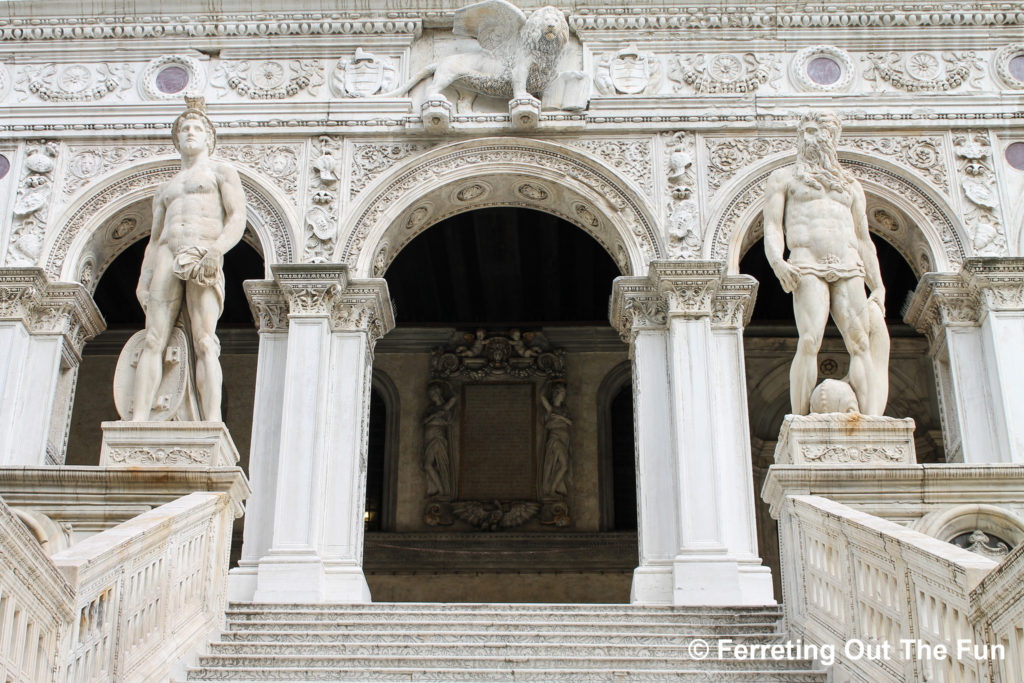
x: 923, y: 71
x: 75, y: 82
x: 723, y: 73
x: 269, y: 79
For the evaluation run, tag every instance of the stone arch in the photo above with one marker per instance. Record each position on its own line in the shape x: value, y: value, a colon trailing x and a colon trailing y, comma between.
x: 933, y: 239
x: 947, y: 524
x: 82, y: 224
x: 469, y: 175
x: 615, y: 380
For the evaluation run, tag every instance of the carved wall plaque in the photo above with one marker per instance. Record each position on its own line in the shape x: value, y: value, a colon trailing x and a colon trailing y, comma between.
x: 498, y: 442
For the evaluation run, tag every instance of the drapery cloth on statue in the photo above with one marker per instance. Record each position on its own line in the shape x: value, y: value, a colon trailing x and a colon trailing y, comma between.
x: 187, y: 266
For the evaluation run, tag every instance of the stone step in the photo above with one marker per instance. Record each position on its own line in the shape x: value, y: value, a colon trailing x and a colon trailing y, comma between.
x: 772, y: 611
x: 561, y: 675
x: 370, y: 616
x: 753, y: 675
x: 506, y: 662
x: 681, y: 629
x: 463, y: 648
x: 475, y: 636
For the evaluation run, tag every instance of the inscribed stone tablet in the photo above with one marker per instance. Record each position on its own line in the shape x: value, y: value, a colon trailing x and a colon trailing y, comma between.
x: 496, y: 458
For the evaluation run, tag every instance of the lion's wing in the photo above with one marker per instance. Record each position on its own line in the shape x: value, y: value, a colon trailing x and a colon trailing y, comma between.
x: 494, y: 23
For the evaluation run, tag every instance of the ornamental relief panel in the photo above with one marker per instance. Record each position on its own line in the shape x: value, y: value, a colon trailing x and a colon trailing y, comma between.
x: 682, y: 211
x: 629, y: 158
x: 32, y: 204
x: 629, y: 72
x: 979, y: 192
x: 363, y: 74
x: 369, y: 160
x: 73, y: 83
x: 923, y: 71
x: 269, y: 79
x: 723, y: 73
x: 323, y: 205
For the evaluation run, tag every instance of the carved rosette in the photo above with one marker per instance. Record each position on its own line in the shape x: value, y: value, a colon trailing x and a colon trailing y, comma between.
x: 923, y: 71
x: 50, y: 308
x: 723, y: 73
x: 980, y: 194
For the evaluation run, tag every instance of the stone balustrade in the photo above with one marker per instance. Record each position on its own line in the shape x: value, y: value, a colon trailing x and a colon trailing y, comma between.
x: 36, y: 604
x: 998, y: 613
x: 858, y: 584
x: 123, y: 605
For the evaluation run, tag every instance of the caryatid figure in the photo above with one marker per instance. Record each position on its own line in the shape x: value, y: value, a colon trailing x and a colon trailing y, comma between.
x: 198, y: 215
x: 817, y: 209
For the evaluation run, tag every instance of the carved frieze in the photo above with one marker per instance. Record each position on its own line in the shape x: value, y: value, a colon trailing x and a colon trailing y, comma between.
x: 923, y: 71
x: 629, y: 71
x: 324, y: 199
x: 516, y: 354
x: 76, y: 82
x: 723, y: 73
x: 981, y: 212
x: 363, y: 74
x: 279, y: 162
x: 5, y: 82
x: 32, y: 204
x: 87, y: 163
x: 270, y: 79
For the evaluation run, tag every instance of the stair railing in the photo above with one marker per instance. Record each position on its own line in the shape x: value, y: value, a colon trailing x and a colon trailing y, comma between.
x: 893, y: 604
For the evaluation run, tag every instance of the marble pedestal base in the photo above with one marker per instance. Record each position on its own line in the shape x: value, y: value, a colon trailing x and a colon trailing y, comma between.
x: 837, y: 438
x: 138, y: 444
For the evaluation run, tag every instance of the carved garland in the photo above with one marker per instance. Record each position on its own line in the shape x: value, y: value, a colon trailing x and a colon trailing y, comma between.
x: 273, y: 222
x: 484, y: 157
x: 736, y: 211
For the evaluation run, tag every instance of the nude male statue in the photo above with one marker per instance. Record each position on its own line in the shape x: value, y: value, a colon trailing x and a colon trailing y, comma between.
x: 197, y: 216
x: 818, y: 209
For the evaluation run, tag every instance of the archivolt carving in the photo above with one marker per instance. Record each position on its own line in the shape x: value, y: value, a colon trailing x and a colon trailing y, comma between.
x: 273, y: 224
x: 631, y: 158
x: 487, y: 157
x: 737, y: 215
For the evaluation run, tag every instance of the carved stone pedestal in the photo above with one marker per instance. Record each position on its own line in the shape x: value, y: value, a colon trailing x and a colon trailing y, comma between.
x: 836, y: 438
x: 436, y: 114
x: 141, y: 444
x: 525, y: 113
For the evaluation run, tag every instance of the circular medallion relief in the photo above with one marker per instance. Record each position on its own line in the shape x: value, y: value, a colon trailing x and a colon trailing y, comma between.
x: 1008, y: 64
x: 725, y: 68
x: 169, y: 77
x: 5, y: 166
x: 75, y: 78
x: 924, y: 66
x: 1014, y: 155
x: 822, y: 68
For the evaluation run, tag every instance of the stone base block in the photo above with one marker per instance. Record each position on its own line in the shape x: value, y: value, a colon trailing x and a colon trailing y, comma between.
x: 525, y: 113
x: 837, y: 438
x: 436, y: 114
x: 141, y: 444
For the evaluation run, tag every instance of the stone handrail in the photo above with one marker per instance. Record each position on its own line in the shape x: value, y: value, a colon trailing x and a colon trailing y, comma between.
x: 36, y: 605
x: 146, y: 592
x: 998, y: 613
x: 879, y: 596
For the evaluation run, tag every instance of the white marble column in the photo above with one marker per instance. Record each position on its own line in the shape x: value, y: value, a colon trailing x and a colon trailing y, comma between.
x: 974, y: 320
x: 270, y: 310
x: 43, y: 328
x: 316, y: 541
x: 694, y: 462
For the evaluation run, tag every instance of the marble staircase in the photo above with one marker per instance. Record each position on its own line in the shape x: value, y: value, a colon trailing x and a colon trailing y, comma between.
x: 492, y: 642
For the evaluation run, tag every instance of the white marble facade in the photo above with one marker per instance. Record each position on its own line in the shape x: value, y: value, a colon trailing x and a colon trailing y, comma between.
x: 690, y: 110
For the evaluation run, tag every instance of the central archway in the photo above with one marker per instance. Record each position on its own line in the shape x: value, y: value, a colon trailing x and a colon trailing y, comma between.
x: 495, y: 309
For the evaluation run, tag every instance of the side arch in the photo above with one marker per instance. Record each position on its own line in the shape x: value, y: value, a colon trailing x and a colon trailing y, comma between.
x: 942, y: 238
x: 614, y: 381
x: 81, y: 224
x: 475, y: 174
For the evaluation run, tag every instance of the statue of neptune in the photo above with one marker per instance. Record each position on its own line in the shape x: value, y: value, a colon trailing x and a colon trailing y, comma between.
x: 817, y: 209
x: 197, y: 216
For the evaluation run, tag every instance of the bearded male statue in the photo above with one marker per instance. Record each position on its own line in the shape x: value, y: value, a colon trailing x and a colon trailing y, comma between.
x: 198, y: 215
x: 817, y: 210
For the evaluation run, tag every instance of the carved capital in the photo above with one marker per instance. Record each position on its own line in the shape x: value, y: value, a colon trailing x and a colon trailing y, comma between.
x: 324, y: 290
x: 364, y: 305
x: 268, y: 304
x: 733, y: 303
x: 636, y: 305
x: 689, y: 287
x: 997, y: 282
x: 310, y: 289
x: 942, y: 300
x: 50, y: 308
